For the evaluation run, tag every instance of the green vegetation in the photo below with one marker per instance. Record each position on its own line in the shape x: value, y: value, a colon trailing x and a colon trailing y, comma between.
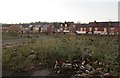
x: 10, y: 35
x: 14, y: 35
x: 49, y: 48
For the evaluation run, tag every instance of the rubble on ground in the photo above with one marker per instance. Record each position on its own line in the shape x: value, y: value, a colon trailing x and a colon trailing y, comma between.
x: 76, y: 68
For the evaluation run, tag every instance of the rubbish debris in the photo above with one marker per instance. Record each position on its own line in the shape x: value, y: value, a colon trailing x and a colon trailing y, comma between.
x: 82, y: 68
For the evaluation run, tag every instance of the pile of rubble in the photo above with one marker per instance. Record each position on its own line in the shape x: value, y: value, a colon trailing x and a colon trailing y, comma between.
x: 83, y: 68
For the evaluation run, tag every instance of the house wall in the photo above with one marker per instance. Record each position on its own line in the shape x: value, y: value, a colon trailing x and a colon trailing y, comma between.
x: 68, y: 28
x: 49, y: 29
x: 15, y: 28
x: 113, y: 30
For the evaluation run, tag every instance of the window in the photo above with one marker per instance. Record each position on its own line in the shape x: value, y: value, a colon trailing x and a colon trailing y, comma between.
x: 90, y: 29
x: 84, y: 29
x: 81, y: 29
x: 112, y: 28
x: 95, y: 29
x: 52, y: 26
x: 65, y: 25
x: 74, y: 26
x: 105, y: 29
x: 61, y: 25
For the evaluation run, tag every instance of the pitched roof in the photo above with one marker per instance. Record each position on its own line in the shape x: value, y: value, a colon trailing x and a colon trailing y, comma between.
x: 104, y: 24
x: 6, y: 25
x: 81, y: 25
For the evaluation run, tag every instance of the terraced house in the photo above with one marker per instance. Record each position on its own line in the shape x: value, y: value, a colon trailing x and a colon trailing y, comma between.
x: 102, y: 28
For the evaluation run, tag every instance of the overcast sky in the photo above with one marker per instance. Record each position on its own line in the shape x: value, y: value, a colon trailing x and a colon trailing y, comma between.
x: 16, y: 11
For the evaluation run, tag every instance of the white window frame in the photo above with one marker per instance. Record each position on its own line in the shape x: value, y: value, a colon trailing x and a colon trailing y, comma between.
x: 65, y: 25
x: 105, y: 29
x: 90, y: 29
x: 112, y: 28
x: 96, y: 29
x: 81, y: 29
x: 61, y: 25
x: 84, y: 29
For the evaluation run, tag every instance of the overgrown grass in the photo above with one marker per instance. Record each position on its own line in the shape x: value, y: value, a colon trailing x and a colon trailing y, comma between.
x: 49, y: 48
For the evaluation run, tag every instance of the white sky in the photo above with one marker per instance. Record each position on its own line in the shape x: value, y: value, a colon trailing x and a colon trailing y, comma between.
x: 16, y: 11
